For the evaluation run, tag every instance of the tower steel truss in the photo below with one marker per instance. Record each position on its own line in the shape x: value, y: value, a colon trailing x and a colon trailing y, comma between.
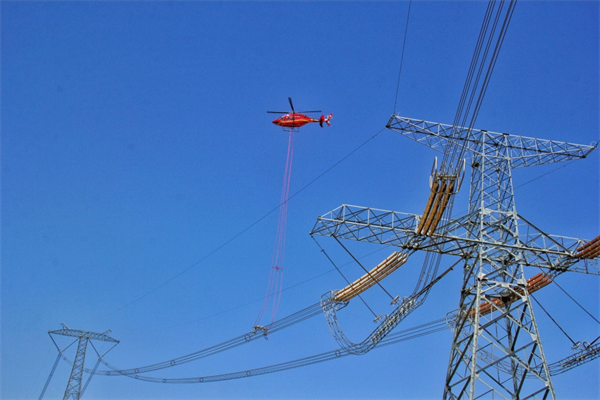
x: 74, y: 386
x: 496, y: 350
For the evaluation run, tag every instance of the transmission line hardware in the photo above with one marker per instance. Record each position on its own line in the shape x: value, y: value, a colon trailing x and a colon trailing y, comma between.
x: 496, y: 347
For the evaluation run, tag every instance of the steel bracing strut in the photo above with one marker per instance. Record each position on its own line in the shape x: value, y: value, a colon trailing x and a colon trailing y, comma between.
x: 496, y: 350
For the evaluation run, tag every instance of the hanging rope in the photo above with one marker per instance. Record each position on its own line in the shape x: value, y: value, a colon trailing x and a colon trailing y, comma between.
x: 243, y: 231
x: 274, y: 286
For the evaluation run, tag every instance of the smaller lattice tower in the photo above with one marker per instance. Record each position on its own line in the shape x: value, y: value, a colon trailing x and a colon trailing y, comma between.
x: 74, y: 387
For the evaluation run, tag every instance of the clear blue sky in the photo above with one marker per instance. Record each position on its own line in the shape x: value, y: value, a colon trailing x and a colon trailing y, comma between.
x: 135, y: 142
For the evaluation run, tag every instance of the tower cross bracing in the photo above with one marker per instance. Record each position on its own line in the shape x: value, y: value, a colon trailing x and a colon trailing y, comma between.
x: 496, y: 350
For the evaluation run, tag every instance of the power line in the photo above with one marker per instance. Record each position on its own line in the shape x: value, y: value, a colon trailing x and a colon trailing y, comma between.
x: 343, y: 276
x: 553, y: 320
x: 576, y: 302
x: 407, y: 334
x: 243, y: 231
x: 402, y: 56
x: 364, y: 269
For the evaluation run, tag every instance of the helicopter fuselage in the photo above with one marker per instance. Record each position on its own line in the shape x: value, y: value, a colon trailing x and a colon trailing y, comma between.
x: 293, y: 120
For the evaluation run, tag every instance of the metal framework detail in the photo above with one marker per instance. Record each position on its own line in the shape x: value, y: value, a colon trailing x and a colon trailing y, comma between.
x: 74, y: 386
x: 365, y: 224
x: 496, y: 351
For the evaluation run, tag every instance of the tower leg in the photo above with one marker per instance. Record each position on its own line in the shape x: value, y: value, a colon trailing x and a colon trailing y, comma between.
x: 496, y: 351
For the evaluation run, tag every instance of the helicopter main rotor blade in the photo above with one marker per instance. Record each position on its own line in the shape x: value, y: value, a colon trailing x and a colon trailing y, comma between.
x: 291, y: 112
x: 291, y: 104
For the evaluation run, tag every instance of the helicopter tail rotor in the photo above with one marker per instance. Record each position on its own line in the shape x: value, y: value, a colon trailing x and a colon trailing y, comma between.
x: 326, y: 120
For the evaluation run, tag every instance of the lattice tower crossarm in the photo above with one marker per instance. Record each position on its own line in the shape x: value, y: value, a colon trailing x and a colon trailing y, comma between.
x: 393, y: 228
x: 74, y: 386
x: 496, y: 350
x: 521, y: 151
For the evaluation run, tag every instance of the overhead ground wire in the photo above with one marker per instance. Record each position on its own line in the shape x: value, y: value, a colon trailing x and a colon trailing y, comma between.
x: 402, y: 56
x: 243, y: 231
x: 261, y: 298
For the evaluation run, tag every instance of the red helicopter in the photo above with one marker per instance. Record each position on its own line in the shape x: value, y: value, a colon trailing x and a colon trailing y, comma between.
x: 296, y: 119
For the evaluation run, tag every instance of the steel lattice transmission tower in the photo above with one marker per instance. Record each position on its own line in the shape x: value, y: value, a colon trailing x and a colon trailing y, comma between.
x: 496, y: 351
x: 74, y: 386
